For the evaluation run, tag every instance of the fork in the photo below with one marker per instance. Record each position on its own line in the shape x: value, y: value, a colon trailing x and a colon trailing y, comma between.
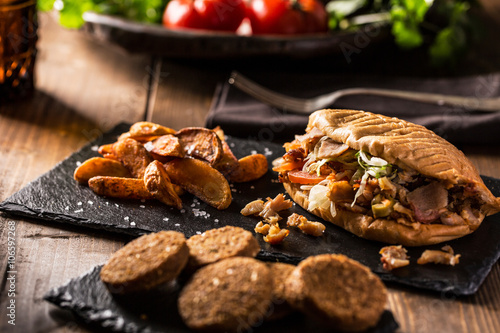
x: 308, y: 105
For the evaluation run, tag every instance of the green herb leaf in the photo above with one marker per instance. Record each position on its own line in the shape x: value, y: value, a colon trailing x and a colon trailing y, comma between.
x: 406, y: 17
x: 452, y: 40
x: 71, y: 11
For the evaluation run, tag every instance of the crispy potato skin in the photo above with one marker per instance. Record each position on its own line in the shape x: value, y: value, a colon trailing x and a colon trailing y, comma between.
x: 159, y: 185
x: 98, y: 166
x: 250, y: 167
x: 107, y: 151
x: 133, y: 156
x: 166, y: 147
x: 118, y: 187
x: 228, y: 163
x: 146, y: 128
x: 200, y: 179
x: 201, y: 143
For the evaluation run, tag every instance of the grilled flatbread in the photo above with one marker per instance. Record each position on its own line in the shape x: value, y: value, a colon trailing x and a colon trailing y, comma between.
x: 384, y: 179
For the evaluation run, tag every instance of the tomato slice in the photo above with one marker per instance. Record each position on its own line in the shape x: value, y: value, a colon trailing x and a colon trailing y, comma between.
x: 302, y: 177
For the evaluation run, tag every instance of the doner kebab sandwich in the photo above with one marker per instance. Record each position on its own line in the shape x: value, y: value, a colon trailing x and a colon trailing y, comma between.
x: 384, y: 179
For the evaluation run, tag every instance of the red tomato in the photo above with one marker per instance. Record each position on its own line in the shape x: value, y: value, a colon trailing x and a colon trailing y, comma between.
x: 181, y: 14
x: 287, y: 16
x: 223, y: 15
x: 302, y: 177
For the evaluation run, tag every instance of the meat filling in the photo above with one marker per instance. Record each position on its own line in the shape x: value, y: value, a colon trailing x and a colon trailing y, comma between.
x: 358, y: 182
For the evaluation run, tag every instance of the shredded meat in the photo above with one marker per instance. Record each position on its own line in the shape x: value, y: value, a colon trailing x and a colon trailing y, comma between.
x: 312, y: 136
x: 273, y: 206
x: 387, y: 186
x: 262, y: 228
x: 253, y: 208
x: 295, y: 155
x: 394, y: 256
x: 403, y: 210
x: 330, y: 148
x: 428, y: 201
x: 450, y: 218
x: 276, y: 235
x: 468, y: 215
x: 307, y: 227
x: 445, y: 257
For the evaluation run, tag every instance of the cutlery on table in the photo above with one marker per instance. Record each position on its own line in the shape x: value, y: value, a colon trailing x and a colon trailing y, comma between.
x: 308, y: 105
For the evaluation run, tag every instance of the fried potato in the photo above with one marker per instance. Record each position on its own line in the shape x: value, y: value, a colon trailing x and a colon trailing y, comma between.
x: 250, y: 167
x: 133, y: 156
x: 118, y: 187
x: 146, y: 128
x: 201, y: 143
x: 159, y: 185
x: 107, y: 151
x: 228, y: 163
x: 165, y: 147
x: 201, y: 180
x: 144, y: 131
x: 98, y: 166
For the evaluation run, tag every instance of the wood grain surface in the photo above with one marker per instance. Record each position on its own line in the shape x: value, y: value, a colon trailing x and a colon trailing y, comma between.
x: 84, y: 89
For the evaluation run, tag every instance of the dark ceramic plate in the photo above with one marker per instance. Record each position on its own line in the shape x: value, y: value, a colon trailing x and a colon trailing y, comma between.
x: 56, y: 197
x: 156, y: 311
x: 155, y: 39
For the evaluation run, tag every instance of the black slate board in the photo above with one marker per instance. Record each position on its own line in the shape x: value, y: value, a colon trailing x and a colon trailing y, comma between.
x: 156, y: 311
x: 55, y: 196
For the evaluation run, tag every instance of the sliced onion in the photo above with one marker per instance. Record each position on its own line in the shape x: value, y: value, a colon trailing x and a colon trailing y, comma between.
x: 361, y: 189
x: 333, y: 210
x: 318, y: 197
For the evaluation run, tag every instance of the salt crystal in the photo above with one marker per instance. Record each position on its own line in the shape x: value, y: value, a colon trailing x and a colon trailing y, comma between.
x: 149, y: 146
x: 132, y: 223
x: 79, y: 211
x: 79, y: 203
x: 94, y: 148
x: 126, y: 218
x: 90, y: 202
x: 165, y: 219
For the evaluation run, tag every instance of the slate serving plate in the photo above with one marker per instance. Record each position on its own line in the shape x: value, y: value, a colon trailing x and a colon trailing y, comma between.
x: 135, y: 37
x: 157, y: 311
x: 56, y: 197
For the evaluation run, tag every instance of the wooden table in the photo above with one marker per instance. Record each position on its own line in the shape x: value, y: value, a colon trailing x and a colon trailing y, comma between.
x: 85, y: 89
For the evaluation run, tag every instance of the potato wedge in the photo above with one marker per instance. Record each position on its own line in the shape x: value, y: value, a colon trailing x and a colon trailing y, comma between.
x: 99, y: 166
x: 158, y: 184
x: 133, y: 156
x: 200, y: 179
x: 105, y: 150
x: 201, y: 143
x: 118, y: 187
x: 228, y: 163
x: 146, y: 128
x: 165, y: 148
x: 250, y: 167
